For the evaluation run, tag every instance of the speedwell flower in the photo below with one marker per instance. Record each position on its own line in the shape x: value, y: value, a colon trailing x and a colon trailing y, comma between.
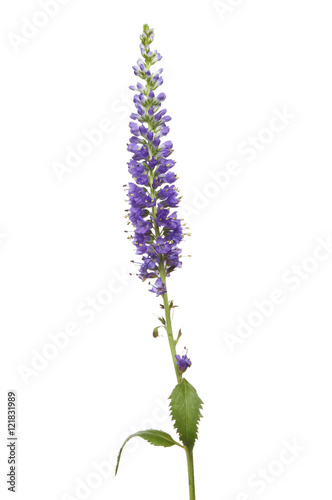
x: 183, y: 362
x: 152, y: 197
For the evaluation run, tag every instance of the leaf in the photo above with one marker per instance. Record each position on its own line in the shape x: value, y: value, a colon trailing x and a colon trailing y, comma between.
x: 157, y: 438
x: 185, y: 411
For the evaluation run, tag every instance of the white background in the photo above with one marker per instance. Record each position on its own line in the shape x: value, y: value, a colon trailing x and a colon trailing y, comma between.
x: 62, y: 242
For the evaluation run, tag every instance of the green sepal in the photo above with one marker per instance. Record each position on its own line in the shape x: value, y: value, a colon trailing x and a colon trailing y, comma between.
x: 157, y: 438
x: 185, y: 408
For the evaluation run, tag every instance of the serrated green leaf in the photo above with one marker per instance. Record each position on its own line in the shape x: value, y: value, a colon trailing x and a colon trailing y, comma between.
x: 185, y: 408
x: 157, y: 438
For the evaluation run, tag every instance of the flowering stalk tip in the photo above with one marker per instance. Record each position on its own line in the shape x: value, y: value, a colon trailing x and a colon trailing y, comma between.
x: 152, y: 196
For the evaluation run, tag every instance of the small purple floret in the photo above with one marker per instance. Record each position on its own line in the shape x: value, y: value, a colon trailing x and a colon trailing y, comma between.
x: 183, y: 362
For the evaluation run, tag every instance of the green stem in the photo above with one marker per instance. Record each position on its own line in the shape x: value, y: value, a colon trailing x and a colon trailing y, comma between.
x: 191, y: 478
x: 169, y: 323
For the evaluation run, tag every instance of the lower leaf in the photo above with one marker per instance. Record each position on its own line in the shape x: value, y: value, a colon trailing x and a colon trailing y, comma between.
x: 157, y: 438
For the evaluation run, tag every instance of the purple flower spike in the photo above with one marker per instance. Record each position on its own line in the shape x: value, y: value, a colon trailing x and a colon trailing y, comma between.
x: 157, y: 232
